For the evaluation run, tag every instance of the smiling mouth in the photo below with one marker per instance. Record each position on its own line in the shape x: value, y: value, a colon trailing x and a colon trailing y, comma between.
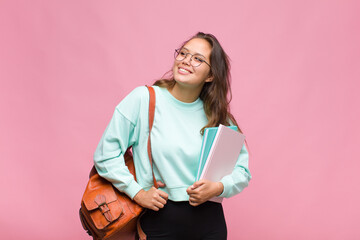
x: 183, y: 70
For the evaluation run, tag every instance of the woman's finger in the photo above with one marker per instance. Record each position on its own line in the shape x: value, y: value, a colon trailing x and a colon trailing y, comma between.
x: 155, y: 208
x: 194, y: 195
x: 163, y: 194
x: 161, y: 184
x: 192, y: 203
x: 160, y: 200
x: 159, y: 205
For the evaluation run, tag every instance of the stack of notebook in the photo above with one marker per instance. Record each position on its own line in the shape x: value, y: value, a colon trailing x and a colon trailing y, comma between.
x: 220, y: 150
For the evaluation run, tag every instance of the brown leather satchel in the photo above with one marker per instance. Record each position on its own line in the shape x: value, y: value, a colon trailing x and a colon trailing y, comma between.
x: 107, y: 213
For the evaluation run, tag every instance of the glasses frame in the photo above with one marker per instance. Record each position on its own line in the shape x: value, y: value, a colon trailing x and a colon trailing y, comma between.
x: 177, y: 52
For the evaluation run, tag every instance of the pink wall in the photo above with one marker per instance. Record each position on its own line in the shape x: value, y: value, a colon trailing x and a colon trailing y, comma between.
x: 64, y: 65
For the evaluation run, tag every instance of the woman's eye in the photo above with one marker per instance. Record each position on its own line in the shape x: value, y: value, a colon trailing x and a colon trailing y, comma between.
x: 182, y: 53
x: 199, y: 59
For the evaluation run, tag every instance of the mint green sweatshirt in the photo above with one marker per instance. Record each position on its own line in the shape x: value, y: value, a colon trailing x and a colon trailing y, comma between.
x: 175, y: 145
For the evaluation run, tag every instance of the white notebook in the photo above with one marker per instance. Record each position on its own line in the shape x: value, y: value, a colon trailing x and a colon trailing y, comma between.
x: 223, y: 155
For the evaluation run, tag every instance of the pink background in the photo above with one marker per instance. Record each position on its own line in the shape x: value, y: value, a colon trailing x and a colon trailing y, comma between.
x: 64, y: 66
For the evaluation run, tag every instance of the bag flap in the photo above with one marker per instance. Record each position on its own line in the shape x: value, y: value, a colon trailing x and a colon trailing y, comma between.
x: 101, y: 220
x: 98, y: 186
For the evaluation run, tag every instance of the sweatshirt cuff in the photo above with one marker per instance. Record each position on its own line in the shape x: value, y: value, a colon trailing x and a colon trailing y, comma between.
x: 132, y: 189
x: 227, y: 185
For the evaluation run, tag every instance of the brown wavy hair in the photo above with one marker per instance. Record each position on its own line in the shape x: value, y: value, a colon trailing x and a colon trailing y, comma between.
x: 216, y: 95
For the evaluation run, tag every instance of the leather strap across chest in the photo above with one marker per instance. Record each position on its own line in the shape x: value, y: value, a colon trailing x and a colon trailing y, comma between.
x: 152, y: 101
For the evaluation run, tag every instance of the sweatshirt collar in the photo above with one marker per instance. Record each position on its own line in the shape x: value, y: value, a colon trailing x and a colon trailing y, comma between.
x: 193, y: 106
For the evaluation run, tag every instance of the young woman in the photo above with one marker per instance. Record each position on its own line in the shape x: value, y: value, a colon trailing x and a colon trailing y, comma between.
x: 193, y: 98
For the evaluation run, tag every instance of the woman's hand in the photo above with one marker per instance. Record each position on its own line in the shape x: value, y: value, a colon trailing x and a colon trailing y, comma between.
x: 203, y: 190
x: 153, y: 198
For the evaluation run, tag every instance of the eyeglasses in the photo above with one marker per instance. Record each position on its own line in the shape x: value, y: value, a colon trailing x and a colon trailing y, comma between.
x: 195, y: 59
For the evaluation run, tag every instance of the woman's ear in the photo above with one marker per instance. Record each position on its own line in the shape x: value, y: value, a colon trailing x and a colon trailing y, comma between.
x: 210, y: 78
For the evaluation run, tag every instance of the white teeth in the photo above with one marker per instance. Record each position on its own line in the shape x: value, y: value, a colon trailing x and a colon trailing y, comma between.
x: 184, y: 70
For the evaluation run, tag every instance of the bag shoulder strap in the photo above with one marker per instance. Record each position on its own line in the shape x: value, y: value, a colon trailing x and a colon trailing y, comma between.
x: 152, y: 101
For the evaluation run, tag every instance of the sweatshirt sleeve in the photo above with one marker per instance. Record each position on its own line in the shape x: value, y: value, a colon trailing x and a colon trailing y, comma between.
x: 239, y: 179
x: 117, y: 137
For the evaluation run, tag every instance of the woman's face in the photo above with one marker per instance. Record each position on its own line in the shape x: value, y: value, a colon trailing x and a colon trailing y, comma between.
x: 187, y: 75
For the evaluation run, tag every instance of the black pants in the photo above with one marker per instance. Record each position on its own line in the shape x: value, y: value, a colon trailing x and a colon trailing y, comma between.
x: 181, y: 221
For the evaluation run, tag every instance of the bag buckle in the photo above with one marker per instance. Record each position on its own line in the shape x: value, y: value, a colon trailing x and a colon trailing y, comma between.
x: 100, y: 200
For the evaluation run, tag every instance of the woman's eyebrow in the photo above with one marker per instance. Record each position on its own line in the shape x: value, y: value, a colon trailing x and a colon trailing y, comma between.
x: 194, y: 53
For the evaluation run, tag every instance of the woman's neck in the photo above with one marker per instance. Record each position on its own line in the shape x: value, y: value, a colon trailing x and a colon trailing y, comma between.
x: 184, y: 94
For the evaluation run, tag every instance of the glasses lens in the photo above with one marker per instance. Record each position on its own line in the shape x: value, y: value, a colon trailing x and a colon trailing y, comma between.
x: 197, y: 60
x: 179, y: 54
